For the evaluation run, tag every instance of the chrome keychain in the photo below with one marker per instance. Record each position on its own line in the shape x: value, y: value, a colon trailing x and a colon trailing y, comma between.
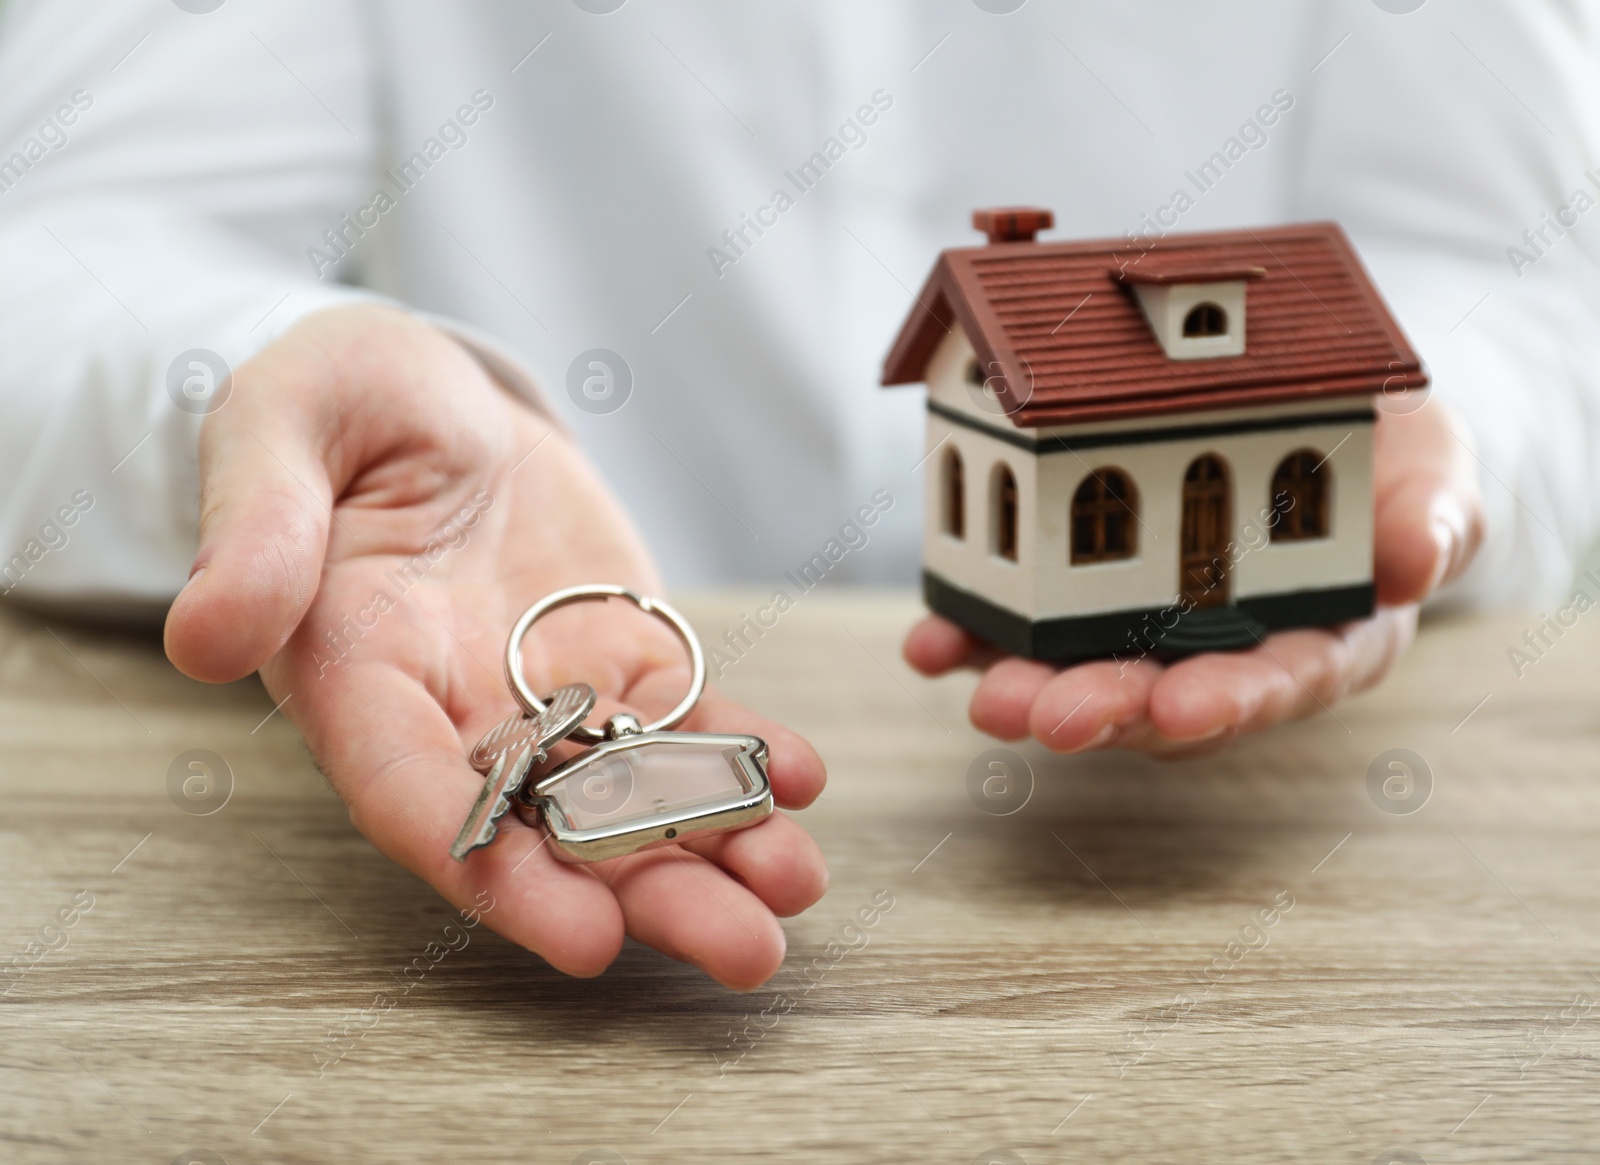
x: 641, y: 786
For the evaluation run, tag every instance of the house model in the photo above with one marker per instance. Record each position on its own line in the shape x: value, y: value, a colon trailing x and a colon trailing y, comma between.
x: 1149, y: 447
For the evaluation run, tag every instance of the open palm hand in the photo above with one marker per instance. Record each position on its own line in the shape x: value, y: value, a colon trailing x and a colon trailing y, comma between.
x: 1429, y: 521
x: 376, y: 512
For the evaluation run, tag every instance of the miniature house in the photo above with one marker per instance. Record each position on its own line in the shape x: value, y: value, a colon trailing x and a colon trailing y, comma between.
x: 1149, y: 448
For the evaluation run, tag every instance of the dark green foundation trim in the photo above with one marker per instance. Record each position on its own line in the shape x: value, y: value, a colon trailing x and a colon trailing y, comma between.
x: 1164, y: 632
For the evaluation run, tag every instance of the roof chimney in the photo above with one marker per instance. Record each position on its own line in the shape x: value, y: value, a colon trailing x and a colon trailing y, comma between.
x: 1012, y: 224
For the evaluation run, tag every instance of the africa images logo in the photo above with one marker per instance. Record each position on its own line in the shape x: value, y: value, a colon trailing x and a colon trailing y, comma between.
x: 599, y: 381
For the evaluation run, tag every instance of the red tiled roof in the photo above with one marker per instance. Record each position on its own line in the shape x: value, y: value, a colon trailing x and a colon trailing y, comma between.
x: 1073, y: 344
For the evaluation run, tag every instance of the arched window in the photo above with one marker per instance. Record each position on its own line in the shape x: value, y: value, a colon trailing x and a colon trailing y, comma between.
x: 1004, y: 513
x: 1105, y: 514
x: 953, y: 494
x: 1300, y: 497
x: 1205, y: 319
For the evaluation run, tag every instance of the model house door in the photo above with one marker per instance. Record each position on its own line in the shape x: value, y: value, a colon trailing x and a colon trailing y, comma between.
x: 1207, y: 519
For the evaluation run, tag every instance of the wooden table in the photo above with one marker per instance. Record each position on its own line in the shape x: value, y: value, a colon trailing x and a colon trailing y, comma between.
x: 1089, y: 978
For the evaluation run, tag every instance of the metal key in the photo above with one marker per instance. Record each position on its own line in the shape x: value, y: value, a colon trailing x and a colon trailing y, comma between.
x: 508, y: 751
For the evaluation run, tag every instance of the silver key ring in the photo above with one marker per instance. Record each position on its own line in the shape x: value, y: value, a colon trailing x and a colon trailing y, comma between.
x: 535, y: 706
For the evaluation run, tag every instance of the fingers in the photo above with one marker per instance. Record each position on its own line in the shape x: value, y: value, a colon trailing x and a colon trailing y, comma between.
x: 1003, y: 701
x: 265, y: 498
x: 1195, y: 704
x: 1093, y: 705
x: 262, y: 539
x: 793, y: 766
x: 687, y: 908
x: 712, y: 903
x: 1429, y: 511
x: 1291, y: 675
x: 935, y: 646
x: 397, y: 763
x: 777, y: 860
x: 555, y: 909
x: 1376, y: 644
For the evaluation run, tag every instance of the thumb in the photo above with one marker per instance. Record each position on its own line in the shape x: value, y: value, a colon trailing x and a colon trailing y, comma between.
x: 265, y: 508
x: 1429, y: 518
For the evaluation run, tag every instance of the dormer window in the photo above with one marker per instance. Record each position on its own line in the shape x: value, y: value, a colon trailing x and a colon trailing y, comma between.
x: 1196, y: 313
x: 1206, y: 320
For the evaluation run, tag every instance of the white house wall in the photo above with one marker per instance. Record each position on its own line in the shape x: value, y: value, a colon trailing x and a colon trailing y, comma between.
x: 1150, y: 578
x: 1041, y: 584
x: 968, y: 562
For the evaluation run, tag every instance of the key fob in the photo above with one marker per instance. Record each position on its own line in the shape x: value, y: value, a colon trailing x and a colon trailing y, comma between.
x: 647, y: 789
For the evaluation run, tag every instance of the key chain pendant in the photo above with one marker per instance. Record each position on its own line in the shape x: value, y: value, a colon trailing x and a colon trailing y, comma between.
x: 641, y: 786
x: 638, y: 790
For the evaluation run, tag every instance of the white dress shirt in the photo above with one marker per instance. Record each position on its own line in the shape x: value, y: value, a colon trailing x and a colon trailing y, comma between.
x: 561, y: 180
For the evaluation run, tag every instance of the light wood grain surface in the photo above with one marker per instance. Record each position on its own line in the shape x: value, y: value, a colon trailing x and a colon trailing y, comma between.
x: 1077, y: 981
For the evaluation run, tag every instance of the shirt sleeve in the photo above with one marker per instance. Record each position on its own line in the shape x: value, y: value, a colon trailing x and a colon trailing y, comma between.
x: 165, y: 173
x: 1459, y: 146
